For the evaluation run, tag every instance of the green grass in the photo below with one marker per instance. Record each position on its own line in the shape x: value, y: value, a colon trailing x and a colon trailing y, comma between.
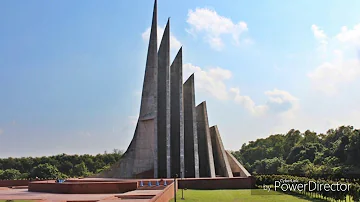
x: 243, y: 195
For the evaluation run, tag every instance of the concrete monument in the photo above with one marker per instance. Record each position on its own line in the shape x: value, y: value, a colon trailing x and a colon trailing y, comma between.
x: 172, y: 136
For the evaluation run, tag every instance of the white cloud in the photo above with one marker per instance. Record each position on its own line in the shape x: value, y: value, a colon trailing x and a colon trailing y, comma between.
x: 329, y: 76
x: 320, y: 35
x: 349, y: 35
x: 343, y: 67
x: 248, y: 103
x: 174, y: 42
x: 216, y: 43
x: 281, y: 101
x: 278, y: 102
x: 210, y: 81
x: 214, y: 26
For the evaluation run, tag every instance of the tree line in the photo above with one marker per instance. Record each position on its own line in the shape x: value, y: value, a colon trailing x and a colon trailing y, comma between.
x: 57, y: 166
x: 334, y: 154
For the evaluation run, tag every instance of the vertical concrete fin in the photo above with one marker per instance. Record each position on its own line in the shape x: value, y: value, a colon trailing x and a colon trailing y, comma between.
x: 176, y: 118
x: 162, y: 162
x: 206, y: 160
x: 149, y: 92
x: 191, y: 155
x: 222, y: 166
x: 182, y: 146
x: 138, y: 160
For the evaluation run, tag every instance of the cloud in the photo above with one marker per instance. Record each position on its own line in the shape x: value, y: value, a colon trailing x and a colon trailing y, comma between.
x: 351, y: 36
x: 210, y: 81
x: 174, y: 42
x: 248, y: 103
x: 278, y: 102
x: 213, y: 26
x: 329, y: 76
x: 320, y: 35
x: 343, y: 67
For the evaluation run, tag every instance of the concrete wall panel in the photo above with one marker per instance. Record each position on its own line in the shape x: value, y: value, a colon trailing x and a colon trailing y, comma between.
x: 206, y: 160
x: 191, y: 155
x: 222, y: 166
x: 176, y: 117
x: 163, y: 105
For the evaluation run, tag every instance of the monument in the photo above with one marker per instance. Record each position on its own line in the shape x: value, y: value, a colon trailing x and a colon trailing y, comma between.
x: 172, y: 135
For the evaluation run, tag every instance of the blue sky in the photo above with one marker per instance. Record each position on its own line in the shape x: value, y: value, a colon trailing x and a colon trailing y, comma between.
x: 71, y: 71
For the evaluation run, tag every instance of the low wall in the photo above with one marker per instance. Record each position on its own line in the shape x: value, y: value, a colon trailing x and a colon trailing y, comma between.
x: 217, y: 183
x: 83, y: 188
x: 165, y: 195
x: 12, y: 183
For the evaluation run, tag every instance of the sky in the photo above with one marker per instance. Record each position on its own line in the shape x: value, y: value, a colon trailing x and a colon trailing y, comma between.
x: 71, y: 72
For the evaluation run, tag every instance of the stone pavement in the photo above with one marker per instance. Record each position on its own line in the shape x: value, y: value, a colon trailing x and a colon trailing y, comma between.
x: 23, y: 194
x: 140, y: 195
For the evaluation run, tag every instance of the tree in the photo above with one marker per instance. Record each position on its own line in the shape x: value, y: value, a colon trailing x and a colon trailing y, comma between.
x: 291, y: 139
x: 10, y: 174
x: 46, y: 171
x: 299, y: 168
x: 268, y: 166
x: 80, y: 170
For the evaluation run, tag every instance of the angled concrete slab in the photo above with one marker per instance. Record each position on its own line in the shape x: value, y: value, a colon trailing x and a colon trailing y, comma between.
x: 222, y: 166
x: 141, y: 154
x: 206, y: 160
x: 237, y: 169
x: 191, y: 154
x: 163, y: 106
x: 176, y: 117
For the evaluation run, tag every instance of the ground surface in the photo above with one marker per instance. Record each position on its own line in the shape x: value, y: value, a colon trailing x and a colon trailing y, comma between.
x: 244, y: 195
x: 18, y: 201
x: 23, y: 194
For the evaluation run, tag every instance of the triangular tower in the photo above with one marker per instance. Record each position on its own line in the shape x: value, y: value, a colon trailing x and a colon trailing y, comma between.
x: 172, y: 135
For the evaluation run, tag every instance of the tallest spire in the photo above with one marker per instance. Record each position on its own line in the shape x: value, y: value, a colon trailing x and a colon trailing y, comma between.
x: 148, y: 106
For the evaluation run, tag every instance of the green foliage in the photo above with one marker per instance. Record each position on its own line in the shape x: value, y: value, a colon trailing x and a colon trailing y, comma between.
x: 58, y: 166
x: 268, y: 166
x: 80, y: 170
x: 10, y: 174
x: 335, y: 153
x: 45, y: 171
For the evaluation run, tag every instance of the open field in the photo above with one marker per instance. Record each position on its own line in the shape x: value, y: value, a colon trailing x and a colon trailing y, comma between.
x: 244, y: 195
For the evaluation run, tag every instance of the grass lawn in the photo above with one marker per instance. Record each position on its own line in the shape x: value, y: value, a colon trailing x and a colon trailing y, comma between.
x: 241, y: 195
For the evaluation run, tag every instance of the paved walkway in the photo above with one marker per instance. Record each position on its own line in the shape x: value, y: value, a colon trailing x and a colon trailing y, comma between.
x: 13, y: 194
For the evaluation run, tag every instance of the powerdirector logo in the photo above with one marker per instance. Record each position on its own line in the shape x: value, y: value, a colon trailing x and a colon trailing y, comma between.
x: 285, y: 185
